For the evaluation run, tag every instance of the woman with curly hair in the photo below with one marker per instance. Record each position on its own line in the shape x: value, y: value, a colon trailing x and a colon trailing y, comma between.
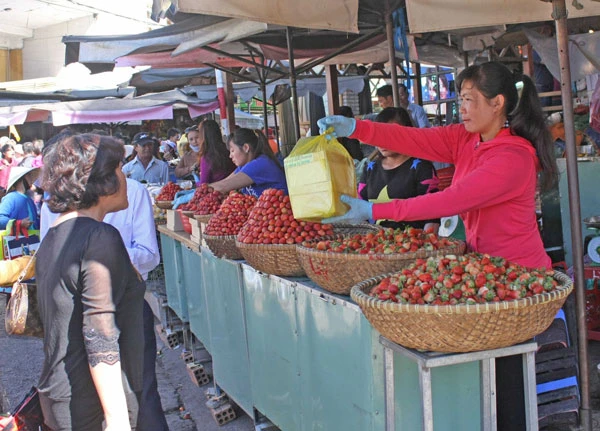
x: 89, y: 294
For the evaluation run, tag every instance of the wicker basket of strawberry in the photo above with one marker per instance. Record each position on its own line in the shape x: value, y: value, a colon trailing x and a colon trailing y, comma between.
x: 202, y: 201
x: 326, y: 262
x: 462, y: 303
x: 164, y: 199
x: 269, y: 237
x: 223, y: 227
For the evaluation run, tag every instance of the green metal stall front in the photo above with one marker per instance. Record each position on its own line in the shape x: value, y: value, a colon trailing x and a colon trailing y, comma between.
x: 308, y: 359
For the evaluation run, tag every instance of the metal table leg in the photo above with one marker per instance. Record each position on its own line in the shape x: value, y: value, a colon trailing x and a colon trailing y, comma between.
x: 426, y: 397
x: 488, y: 394
x: 531, y: 413
x: 388, y: 364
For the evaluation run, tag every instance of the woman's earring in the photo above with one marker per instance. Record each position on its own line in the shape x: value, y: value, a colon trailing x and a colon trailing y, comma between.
x: 506, y: 123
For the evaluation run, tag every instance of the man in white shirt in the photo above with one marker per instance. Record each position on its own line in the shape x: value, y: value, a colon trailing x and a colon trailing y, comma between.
x: 145, y: 167
x: 417, y: 113
x: 136, y: 226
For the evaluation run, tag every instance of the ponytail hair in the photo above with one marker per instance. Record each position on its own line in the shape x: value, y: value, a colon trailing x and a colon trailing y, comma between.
x: 524, y: 114
x: 256, y: 140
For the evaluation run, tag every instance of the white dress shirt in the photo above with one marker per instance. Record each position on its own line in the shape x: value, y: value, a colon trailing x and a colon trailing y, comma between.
x: 135, y: 224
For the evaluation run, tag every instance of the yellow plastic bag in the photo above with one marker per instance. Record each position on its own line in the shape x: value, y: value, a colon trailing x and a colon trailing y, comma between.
x: 318, y: 171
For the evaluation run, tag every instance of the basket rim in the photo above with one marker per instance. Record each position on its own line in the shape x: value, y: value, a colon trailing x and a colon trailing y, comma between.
x: 218, y: 237
x: 202, y: 217
x: 380, y: 256
x: 364, y: 300
x: 187, y: 213
x: 290, y: 247
x: 163, y: 202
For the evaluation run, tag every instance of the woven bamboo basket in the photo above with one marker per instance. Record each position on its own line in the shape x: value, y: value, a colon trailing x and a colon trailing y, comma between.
x: 279, y: 259
x: 338, y: 272
x: 187, y: 213
x: 223, y: 246
x: 203, y: 218
x: 462, y: 328
x: 164, y: 205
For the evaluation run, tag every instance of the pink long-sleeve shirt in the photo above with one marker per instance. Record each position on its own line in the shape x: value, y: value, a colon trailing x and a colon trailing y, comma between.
x: 493, y: 188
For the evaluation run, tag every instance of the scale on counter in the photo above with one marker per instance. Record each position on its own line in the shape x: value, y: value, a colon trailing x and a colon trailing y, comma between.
x: 593, y: 248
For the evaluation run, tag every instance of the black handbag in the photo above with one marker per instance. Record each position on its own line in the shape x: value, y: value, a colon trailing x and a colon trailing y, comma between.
x: 22, y: 314
x: 28, y: 416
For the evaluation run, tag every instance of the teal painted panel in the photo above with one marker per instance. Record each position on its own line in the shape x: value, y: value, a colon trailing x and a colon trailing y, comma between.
x: 589, y: 172
x: 229, y: 346
x: 273, y: 347
x: 193, y: 282
x: 338, y: 368
x: 456, y: 396
x: 172, y: 262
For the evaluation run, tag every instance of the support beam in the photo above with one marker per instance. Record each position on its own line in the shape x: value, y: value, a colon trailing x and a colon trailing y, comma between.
x: 295, y: 113
x: 389, y: 30
x: 418, y: 90
x: 333, y: 94
x: 559, y: 13
x: 230, y: 98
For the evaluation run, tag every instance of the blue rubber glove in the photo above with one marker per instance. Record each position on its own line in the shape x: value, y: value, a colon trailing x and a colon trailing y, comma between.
x: 342, y: 126
x: 359, y: 211
x: 183, y: 197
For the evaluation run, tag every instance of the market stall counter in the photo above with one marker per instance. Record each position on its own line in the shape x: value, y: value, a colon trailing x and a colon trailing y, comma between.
x: 303, y: 357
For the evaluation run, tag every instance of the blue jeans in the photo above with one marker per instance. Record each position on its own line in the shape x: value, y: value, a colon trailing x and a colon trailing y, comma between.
x: 151, y: 416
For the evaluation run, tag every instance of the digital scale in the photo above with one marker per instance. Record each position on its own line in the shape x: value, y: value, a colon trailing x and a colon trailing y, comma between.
x: 593, y: 247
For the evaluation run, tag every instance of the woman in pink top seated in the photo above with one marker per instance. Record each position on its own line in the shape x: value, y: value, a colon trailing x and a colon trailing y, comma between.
x: 499, y: 150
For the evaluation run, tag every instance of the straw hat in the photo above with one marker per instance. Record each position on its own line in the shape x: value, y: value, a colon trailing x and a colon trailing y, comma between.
x: 16, y: 173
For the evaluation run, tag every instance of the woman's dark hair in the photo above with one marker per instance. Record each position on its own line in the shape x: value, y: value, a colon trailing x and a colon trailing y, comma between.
x: 256, y: 140
x: 79, y: 169
x: 524, y: 114
x: 397, y: 115
x: 213, y: 148
x: 346, y: 111
x: 5, y: 148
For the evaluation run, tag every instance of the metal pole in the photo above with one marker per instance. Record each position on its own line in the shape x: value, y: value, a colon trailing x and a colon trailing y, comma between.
x: 389, y: 31
x: 275, y: 122
x: 559, y: 14
x: 296, y: 115
x: 263, y: 89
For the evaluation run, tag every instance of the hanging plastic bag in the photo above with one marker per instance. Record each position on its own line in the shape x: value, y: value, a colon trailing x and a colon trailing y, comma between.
x: 318, y: 171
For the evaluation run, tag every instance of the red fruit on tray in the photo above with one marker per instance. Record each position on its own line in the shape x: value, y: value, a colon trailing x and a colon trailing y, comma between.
x: 231, y: 215
x: 271, y: 221
x: 167, y: 193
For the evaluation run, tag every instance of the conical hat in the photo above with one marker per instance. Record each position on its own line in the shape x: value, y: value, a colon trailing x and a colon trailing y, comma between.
x: 16, y: 173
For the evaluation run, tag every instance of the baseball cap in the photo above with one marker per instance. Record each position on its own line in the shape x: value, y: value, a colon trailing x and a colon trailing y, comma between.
x: 143, y: 138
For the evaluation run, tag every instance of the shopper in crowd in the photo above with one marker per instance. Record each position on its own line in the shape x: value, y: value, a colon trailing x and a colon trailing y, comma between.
x: 393, y: 175
x: 7, y: 162
x: 89, y: 294
x: 498, y: 150
x: 28, y: 155
x: 137, y: 229
x: 145, y: 167
x: 168, y: 148
x: 351, y: 145
x: 257, y: 167
x: 189, y: 161
x: 38, y: 146
x: 417, y: 113
x: 215, y: 163
x: 17, y: 204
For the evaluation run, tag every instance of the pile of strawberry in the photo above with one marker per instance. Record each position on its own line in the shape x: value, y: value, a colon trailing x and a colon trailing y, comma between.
x: 271, y: 221
x: 206, y: 200
x: 386, y: 241
x: 232, y: 215
x: 469, y: 279
x: 167, y: 193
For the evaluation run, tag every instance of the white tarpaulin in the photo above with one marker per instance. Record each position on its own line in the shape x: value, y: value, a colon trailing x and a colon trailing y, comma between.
x: 339, y: 15
x: 584, y: 53
x: 439, y: 15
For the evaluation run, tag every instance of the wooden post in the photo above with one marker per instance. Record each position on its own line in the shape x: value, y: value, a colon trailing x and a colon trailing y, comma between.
x: 230, y: 97
x: 389, y: 30
x: 333, y: 98
x: 418, y: 90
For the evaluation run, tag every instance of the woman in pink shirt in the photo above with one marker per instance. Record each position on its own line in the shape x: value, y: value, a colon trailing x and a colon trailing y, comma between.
x: 8, y: 160
x: 499, y: 150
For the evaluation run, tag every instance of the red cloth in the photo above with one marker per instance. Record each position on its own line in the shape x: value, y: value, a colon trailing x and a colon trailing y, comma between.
x: 493, y: 188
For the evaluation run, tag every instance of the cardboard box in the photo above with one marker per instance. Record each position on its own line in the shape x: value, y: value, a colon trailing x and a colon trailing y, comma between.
x: 174, y: 221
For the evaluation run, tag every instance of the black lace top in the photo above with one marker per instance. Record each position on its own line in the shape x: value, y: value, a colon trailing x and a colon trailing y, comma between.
x: 91, y: 301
